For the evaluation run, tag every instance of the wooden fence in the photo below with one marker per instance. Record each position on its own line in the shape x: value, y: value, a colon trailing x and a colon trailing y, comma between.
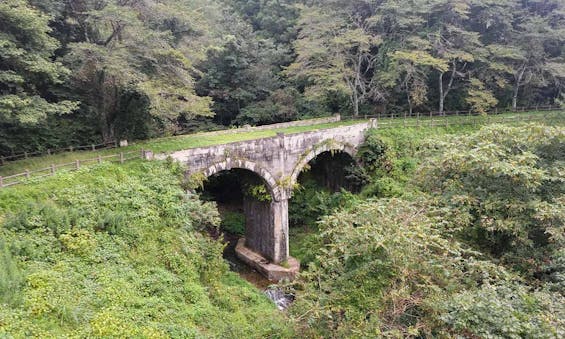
x: 431, y: 114
x: 26, y: 155
x: 462, y: 120
x: 71, y: 166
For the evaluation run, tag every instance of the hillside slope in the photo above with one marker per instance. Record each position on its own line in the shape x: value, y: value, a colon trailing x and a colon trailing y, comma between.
x: 117, y: 251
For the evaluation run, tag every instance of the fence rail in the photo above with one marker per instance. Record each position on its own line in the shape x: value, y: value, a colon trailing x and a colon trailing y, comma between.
x: 20, y: 178
x: 431, y: 114
x: 26, y: 155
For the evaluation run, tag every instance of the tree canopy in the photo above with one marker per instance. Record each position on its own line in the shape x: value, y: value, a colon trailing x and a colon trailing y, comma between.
x: 101, y: 70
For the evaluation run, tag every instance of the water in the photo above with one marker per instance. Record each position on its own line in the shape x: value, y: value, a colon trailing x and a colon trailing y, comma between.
x: 279, y: 297
x: 276, y: 294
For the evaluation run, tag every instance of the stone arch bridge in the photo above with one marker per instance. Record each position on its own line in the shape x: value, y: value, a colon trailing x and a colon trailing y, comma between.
x: 278, y: 161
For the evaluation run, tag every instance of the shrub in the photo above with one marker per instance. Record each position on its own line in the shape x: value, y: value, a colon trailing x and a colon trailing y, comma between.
x: 233, y: 222
x: 508, y: 184
x: 505, y: 311
x: 11, y: 278
x: 116, y: 250
x: 379, y: 264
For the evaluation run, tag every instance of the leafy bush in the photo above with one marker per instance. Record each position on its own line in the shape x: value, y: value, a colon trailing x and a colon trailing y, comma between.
x: 310, y: 202
x: 10, y: 276
x: 507, y: 188
x: 233, y: 222
x: 379, y: 264
x: 505, y: 311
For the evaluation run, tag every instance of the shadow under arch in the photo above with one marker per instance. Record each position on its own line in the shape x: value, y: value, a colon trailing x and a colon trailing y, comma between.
x: 315, y: 151
x: 228, y: 164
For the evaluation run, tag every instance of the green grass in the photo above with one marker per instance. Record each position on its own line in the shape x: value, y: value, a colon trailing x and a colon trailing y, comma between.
x: 177, y: 143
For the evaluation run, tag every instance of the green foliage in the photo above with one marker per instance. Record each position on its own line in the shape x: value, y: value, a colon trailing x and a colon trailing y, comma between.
x: 479, y: 99
x: 281, y: 106
x: 505, y: 311
x: 259, y: 192
x: 239, y: 71
x: 310, y: 202
x: 118, y: 59
x: 409, y: 266
x: 273, y: 19
x: 379, y: 265
x: 11, y: 279
x: 116, y: 251
x: 159, y: 68
x: 373, y: 152
x: 233, y: 222
x: 388, y: 159
x: 507, y: 183
x: 26, y: 64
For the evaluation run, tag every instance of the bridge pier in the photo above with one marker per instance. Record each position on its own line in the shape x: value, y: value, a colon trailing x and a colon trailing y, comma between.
x: 266, y: 230
x: 265, y: 246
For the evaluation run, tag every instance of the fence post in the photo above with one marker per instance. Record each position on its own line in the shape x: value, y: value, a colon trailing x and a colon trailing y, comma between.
x: 99, y: 159
x: 53, y: 169
x: 2, y: 161
x: 121, y: 157
x: 71, y: 148
x: 1, y: 182
x: 27, y: 174
x: 77, y: 163
x: 93, y: 147
x: 48, y: 151
x: 25, y: 154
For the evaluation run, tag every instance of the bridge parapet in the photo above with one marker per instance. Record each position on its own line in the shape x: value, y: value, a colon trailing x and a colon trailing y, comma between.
x: 278, y: 155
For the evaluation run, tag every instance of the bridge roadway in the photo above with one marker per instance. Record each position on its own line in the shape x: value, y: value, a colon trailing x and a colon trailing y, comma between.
x: 278, y: 161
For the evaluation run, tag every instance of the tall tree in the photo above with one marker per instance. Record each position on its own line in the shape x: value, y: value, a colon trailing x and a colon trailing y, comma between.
x: 414, y: 66
x: 523, y: 55
x: 335, y: 54
x: 452, y: 42
x: 125, y: 50
x: 27, y: 70
x: 242, y: 69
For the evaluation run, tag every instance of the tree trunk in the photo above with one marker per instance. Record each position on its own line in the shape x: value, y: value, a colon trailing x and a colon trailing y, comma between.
x: 355, y: 104
x: 515, y: 98
x: 441, y: 95
x: 518, y: 82
x: 409, y: 102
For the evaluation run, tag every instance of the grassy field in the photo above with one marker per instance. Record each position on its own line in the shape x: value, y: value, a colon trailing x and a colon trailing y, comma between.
x: 170, y: 144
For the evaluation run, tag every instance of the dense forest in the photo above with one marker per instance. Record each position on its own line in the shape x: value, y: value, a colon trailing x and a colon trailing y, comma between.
x: 74, y: 72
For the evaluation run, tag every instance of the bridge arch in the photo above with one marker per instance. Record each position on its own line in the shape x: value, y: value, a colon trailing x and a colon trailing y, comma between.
x: 315, y: 151
x: 264, y: 174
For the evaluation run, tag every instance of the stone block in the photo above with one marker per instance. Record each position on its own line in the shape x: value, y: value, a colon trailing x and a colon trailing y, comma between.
x: 274, y: 273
